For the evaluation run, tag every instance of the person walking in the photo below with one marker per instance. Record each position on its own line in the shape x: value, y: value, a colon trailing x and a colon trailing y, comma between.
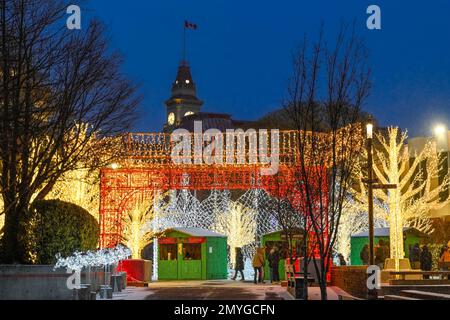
x: 426, y: 261
x: 258, y: 264
x: 239, y: 264
x: 274, y: 260
x: 342, y: 261
x: 445, y: 258
x: 364, y: 255
x: 380, y: 254
x: 414, y: 257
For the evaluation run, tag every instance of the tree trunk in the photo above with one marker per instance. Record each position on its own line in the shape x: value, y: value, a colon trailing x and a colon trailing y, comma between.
x: 10, y: 243
x: 323, y: 290
x: 13, y: 248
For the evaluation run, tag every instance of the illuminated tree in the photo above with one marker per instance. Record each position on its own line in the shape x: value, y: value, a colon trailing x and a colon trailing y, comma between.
x: 55, y: 83
x: 80, y: 187
x: 417, y: 192
x: 354, y: 219
x: 138, y: 221
x: 238, y: 223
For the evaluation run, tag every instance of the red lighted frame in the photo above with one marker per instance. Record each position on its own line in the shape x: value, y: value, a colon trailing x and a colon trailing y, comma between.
x: 121, y: 188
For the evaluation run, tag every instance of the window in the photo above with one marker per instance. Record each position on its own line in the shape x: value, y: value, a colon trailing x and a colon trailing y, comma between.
x: 192, y: 251
x: 168, y: 252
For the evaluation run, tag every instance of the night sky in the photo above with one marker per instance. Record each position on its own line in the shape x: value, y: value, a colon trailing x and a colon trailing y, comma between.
x: 241, y: 54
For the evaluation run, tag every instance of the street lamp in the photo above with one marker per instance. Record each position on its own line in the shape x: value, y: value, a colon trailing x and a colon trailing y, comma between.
x: 439, y: 130
x: 369, y: 131
x: 372, y: 184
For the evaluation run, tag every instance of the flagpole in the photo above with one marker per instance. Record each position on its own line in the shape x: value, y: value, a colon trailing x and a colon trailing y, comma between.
x: 184, y: 44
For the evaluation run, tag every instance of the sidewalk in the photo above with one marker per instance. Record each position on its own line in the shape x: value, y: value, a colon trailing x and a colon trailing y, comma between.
x: 215, y: 290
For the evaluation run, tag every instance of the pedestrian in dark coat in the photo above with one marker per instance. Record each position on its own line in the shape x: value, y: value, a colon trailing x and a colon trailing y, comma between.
x: 239, y: 264
x: 274, y: 260
x: 342, y: 261
x: 415, y: 256
x: 364, y: 255
x: 426, y: 260
x: 381, y: 251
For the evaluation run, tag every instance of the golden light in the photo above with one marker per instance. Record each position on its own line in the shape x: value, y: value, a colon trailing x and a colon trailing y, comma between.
x: 369, y: 128
x: 115, y: 166
x: 440, y: 130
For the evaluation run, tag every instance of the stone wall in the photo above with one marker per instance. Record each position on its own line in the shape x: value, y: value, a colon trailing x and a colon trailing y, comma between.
x: 351, y: 279
x: 20, y: 282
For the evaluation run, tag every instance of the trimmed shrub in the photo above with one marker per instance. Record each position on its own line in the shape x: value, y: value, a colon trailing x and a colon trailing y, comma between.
x: 55, y: 226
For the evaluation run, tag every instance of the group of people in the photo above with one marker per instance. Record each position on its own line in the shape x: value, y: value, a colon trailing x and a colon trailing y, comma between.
x: 273, y: 257
x: 420, y: 258
x: 381, y: 253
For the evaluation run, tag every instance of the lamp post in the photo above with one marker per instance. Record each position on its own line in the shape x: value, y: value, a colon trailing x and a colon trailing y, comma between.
x: 372, y: 184
x: 369, y: 131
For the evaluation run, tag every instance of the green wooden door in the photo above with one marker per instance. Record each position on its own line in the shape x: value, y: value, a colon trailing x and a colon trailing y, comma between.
x: 168, y: 270
x: 168, y: 262
x: 216, y: 258
x: 191, y: 270
x: 190, y: 262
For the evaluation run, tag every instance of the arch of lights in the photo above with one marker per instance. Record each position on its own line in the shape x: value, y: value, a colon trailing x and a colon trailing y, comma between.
x: 145, y: 167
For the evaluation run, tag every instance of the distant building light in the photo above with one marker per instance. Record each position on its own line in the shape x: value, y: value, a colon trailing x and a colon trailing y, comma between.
x: 187, y: 81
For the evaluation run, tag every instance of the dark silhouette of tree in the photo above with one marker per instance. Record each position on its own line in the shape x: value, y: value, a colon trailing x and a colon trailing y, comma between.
x: 62, y: 98
x: 329, y: 85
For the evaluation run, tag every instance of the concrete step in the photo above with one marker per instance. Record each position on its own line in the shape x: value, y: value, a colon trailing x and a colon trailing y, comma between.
x: 425, y: 295
x: 394, y: 297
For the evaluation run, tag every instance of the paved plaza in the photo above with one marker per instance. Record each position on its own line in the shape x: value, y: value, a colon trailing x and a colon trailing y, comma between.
x: 214, y: 290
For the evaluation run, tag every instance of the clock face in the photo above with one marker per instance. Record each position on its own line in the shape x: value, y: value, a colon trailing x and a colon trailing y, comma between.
x: 171, y: 118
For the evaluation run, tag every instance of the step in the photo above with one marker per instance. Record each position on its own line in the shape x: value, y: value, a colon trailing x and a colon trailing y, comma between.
x: 425, y: 295
x: 394, y: 297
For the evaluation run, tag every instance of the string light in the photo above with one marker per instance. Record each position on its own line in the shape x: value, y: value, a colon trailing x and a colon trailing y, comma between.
x: 99, y: 258
x: 408, y: 205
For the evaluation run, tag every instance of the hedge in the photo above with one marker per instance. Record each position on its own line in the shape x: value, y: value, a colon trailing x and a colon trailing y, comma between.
x: 55, y: 226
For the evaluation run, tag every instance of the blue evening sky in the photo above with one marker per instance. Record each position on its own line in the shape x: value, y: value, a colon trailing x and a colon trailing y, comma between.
x: 241, y: 54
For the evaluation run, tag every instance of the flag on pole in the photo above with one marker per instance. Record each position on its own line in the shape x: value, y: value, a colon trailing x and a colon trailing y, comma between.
x: 188, y: 25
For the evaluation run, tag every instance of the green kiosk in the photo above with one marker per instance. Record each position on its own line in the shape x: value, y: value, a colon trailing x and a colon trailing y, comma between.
x: 192, y: 254
x: 411, y: 236
x: 279, y: 239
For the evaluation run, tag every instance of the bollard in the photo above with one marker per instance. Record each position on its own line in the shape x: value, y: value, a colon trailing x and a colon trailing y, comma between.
x: 124, y: 280
x: 116, y: 283
x: 106, y: 292
x: 82, y: 292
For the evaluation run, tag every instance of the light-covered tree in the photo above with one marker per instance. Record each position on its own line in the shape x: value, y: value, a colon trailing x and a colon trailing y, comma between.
x: 80, y: 187
x: 137, y: 223
x: 354, y: 220
x: 238, y: 223
x: 417, y: 191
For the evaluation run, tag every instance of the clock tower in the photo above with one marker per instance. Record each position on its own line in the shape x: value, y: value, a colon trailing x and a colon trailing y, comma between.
x: 184, y: 101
